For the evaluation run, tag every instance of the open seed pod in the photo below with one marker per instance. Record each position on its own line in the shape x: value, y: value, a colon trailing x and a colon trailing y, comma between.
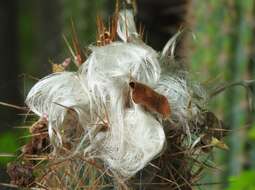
x: 120, y: 120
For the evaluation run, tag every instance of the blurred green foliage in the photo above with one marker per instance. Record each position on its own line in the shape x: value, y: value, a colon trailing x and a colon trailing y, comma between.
x: 223, y: 51
x: 251, y: 134
x: 8, y: 144
x: 244, y: 181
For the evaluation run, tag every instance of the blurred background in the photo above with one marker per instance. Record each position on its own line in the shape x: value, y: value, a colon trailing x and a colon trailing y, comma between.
x: 220, y: 46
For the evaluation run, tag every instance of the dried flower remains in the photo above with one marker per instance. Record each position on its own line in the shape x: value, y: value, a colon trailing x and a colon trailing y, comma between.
x: 125, y: 112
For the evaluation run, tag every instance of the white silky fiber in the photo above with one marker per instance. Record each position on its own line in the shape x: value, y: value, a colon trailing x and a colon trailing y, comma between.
x: 124, y: 137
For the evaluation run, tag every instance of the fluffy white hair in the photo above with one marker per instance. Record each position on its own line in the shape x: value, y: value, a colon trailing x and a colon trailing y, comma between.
x: 97, y: 93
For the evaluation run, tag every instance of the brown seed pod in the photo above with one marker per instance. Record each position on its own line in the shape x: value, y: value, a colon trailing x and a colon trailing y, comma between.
x: 150, y: 99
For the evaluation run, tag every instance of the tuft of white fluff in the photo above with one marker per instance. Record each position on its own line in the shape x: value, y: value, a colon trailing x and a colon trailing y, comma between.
x: 109, y: 69
x: 169, y: 47
x: 143, y: 139
x: 126, y: 28
x: 186, y: 100
x: 98, y: 93
x: 178, y: 94
x: 52, y: 96
x: 107, y: 73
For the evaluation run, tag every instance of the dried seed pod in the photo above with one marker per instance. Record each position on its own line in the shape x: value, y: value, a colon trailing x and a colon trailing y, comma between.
x: 150, y: 99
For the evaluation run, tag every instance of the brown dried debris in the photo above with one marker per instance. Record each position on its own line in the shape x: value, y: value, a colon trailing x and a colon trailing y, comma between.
x: 150, y: 99
x: 39, y: 143
x: 61, y: 67
x: 21, y: 174
x: 213, y: 132
x: 79, y: 53
x: 105, y: 35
